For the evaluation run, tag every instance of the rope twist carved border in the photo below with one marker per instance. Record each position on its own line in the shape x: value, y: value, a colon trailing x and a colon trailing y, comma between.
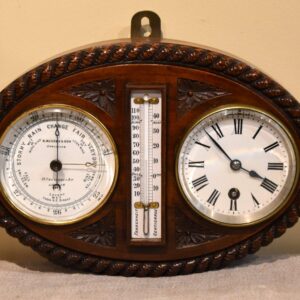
x: 159, y: 53
x: 80, y: 261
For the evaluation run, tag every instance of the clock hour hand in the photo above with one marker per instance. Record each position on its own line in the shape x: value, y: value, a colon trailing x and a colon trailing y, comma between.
x: 252, y: 173
x: 235, y: 164
x: 218, y: 145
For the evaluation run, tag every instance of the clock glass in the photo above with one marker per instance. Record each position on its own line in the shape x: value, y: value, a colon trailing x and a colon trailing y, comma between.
x: 237, y: 166
x: 58, y: 164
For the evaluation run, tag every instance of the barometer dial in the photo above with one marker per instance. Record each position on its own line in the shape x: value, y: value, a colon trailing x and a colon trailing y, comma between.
x: 237, y: 166
x: 58, y: 164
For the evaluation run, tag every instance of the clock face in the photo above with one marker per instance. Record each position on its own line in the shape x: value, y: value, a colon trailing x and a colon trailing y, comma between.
x: 237, y: 166
x: 58, y: 164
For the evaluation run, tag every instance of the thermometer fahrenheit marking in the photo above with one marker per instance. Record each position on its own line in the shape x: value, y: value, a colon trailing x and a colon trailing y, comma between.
x: 146, y: 109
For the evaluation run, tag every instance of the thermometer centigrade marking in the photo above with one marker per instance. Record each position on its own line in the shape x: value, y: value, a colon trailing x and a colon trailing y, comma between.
x: 146, y: 108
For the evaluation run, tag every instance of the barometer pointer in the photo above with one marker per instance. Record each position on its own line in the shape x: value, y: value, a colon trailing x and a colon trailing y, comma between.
x: 56, y: 165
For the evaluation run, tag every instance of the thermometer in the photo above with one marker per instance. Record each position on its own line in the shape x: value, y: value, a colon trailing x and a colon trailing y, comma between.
x: 146, y: 111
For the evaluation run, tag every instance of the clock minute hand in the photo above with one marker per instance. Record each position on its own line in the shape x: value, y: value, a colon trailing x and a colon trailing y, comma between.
x: 218, y: 145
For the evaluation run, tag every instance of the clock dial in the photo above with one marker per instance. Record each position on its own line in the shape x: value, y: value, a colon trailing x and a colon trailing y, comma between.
x: 58, y: 164
x: 237, y: 166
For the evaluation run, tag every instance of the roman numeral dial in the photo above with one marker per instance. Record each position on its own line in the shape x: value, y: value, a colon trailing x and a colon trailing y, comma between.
x: 271, y: 147
x: 257, y: 132
x: 236, y: 166
x: 213, y: 197
x: 275, y: 166
x: 196, y: 164
x: 200, y: 183
x: 217, y: 130
x: 269, y: 185
x: 233, y: 204
x: 238, y: 126
x: 256, y: 202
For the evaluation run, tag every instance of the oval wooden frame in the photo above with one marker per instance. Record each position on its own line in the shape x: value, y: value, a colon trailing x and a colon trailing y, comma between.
x: 149, y: 53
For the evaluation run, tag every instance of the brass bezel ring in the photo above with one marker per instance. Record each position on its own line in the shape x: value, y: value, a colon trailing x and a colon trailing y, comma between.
x: 280, y: 125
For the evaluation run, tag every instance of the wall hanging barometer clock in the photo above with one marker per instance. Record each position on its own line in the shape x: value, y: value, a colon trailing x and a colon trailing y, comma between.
x: 145, y: 157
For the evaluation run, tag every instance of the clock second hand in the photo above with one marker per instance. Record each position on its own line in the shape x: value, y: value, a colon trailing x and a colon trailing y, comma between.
x: 235, y: 164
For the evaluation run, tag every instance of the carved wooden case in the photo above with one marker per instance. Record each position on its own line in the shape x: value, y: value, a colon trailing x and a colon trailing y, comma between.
x: 194, y: 80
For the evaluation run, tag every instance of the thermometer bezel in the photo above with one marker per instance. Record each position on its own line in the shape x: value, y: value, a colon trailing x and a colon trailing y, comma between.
x: 162, y: 89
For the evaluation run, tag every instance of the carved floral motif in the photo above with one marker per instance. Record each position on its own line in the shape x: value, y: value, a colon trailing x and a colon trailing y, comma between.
x: 191, y: 93
x: 101, y: 233
x: 189, y: 234
x: 101, y: 93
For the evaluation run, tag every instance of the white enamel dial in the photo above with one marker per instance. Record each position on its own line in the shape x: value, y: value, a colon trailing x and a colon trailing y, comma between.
x: 236, y: 166
x: 58, y: 164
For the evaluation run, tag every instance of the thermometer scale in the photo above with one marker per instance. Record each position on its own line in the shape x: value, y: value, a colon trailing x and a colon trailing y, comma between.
x: 146, y: 111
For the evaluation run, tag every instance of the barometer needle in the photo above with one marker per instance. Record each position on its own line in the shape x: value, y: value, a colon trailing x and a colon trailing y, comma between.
x: 57, y: 133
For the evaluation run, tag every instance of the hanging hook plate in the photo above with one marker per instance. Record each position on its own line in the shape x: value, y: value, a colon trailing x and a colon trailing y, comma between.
x: 150, y: 31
